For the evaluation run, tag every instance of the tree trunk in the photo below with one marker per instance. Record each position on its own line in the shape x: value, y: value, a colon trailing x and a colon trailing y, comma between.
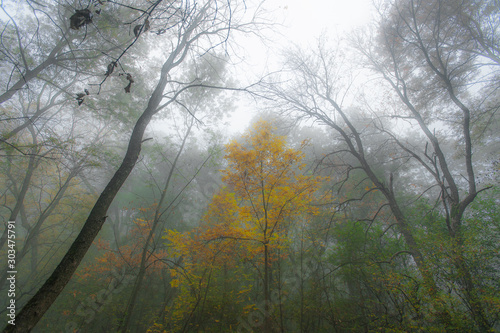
x: 36, y: 307
x: 32, y: 164
x: 144, y: 257
x: 35, y: 229
x: 267, y: 301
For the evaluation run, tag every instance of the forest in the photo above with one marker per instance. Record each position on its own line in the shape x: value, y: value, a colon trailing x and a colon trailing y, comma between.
x: 361, y: 195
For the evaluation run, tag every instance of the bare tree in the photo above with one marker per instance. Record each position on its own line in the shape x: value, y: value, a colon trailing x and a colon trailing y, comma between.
x: 434, y: 68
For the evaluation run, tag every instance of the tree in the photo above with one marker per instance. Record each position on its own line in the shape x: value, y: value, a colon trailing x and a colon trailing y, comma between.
x: 267, y: 189
x: 40, y: 39
x: 42, y: 173
x: 193, y: 28
x: 435, y: 72
x: 161, y: 209
x: 430, y: 34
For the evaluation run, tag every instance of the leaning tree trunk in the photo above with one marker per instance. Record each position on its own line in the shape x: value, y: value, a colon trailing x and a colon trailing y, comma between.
x: 185, y: 39
x: 36, y: 307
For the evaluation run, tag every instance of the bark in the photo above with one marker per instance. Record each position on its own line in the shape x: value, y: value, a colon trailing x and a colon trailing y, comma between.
x: 267, y: 301
x: 266, y: 283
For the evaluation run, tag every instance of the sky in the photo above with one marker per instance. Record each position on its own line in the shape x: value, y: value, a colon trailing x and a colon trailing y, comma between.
x: 301, y: 23
x: 306, y: 19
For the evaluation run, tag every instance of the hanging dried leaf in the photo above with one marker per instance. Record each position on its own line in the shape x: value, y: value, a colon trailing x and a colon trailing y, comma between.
x: 111, y: 68
x: 130, y: 81
x: 140, y: 28
x: 80, y: 18
x: 137, y: 30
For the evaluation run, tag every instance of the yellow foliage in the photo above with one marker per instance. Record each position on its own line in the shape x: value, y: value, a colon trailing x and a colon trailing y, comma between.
x: 266, y: 189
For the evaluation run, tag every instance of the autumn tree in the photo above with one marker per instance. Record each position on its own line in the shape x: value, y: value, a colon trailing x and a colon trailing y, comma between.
x: 42, y: 91
x: 128, y: 263
x: 267, y: 190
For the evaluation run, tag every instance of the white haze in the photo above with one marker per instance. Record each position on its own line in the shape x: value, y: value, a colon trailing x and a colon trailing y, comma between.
x: 299, y: 22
